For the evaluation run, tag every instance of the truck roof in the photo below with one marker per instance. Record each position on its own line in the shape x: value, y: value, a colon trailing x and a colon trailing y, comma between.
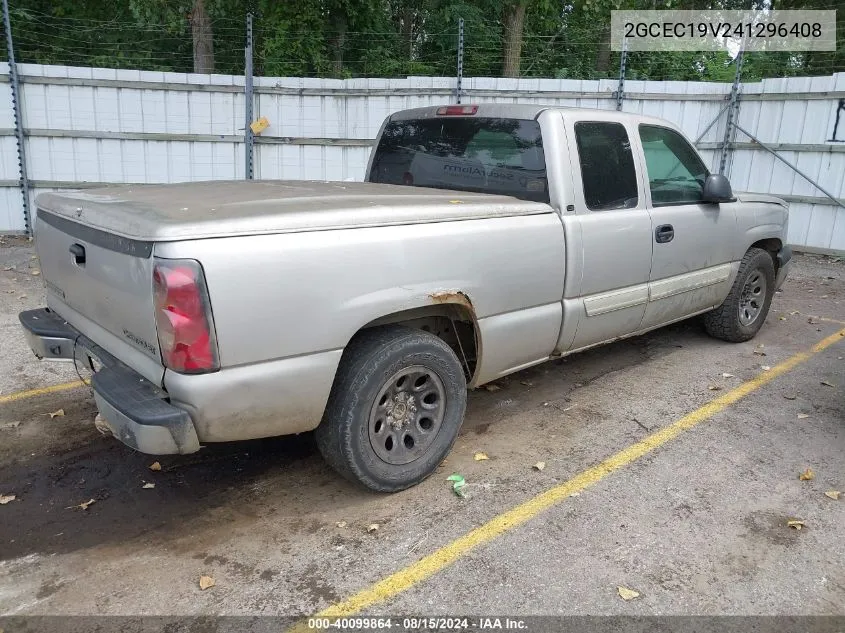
x: 529, y: 111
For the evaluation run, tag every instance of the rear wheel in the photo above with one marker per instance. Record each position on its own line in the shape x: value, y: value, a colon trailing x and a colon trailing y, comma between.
x: 395, y: 409
x: 742, y: 314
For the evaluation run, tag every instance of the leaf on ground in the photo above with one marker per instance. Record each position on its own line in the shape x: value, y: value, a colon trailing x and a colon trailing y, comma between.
x: 765, y: 367
x: 802, y: 416
x: 807, y: 475
x: 790, y: 396
x: 206, y: 582
x: 627, y: 594
x: 148, y: 486
x: 727, y: 375
x: 4, y: 499
x: 480, y: 457
x: 84, y: 505
x: 796, y: 524
x: 458, y: 483
x: 57, y: 414
x: 372, y: 527
x: 832, y: 494
x: 539, y: 466
x: 714, y: 388
x: 491, y: 387
x: 341, y: 524
x: 155, y: 466
x: 826, y: 383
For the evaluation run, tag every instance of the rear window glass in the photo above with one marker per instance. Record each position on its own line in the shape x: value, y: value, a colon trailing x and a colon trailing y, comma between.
x: 487, y: 155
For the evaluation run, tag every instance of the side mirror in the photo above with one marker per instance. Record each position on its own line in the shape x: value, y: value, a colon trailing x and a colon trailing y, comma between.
x: 717, y: 188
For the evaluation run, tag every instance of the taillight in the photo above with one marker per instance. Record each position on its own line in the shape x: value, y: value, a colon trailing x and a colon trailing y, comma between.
x: 457, y: 110
x: 183, y: 317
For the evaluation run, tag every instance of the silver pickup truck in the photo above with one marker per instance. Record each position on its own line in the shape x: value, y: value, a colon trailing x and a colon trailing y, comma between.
x: 486, y: 239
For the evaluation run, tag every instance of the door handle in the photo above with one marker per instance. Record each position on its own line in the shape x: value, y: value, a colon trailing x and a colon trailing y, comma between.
x: 664, y: 233
x: 78, y: 252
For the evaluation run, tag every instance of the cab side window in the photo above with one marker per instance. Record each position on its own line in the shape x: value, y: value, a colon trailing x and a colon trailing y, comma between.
x: 676, y: 174
x: 607, y: 166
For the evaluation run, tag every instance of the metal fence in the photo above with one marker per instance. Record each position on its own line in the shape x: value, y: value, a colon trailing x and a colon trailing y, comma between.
x: 87, y: 127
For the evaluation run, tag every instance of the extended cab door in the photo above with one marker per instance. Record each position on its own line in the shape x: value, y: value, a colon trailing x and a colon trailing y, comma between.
x: 608, y: 233
x: 693, y: 240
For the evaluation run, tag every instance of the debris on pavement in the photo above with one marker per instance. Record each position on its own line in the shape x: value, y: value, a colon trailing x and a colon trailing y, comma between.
x: 765, y: 367
x: 759, y: 350
x: 790, y: 396
x: 796, y: 524
x: 807, y: 475
x: 372, y: 527
x: 714, y: 388
x: 627, y: 594
x: 480, y: 456
x: 826, y: 383
x: 832, y: 494
x: 206, y: 582
x: 10, y: 425
x: 802, y: 416
x: 4, y: 499
x: 727, y: 375
x: 149, y: 485
x: 491, y: 387
x: 341, y: 524
x: 84, y: 505
x: 458, y: 484
x: 57, y: 414
x: 155, y: 466
x: 539, y: 466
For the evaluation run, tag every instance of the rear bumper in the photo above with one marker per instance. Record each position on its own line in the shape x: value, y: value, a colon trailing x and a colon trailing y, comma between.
x: 135, y: 410
x: 784, y: 258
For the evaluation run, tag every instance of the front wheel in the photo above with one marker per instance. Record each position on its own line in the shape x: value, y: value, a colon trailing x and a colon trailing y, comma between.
x: 395, y: 409
x: 741, y: 315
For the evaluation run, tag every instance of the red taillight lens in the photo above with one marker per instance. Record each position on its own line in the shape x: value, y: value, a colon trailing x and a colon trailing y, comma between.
x: 183, y: 317
x: 457, y: 110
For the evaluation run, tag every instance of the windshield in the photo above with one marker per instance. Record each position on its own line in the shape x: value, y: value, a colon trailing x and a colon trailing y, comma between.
x: 487, y: 155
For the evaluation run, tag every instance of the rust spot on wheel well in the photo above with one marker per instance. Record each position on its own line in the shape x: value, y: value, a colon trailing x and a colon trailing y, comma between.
x: 454, y: 297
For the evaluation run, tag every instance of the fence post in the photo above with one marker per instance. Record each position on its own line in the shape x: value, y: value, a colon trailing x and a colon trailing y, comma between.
x: 623, y: 60
x: 16, y: 110
x: 460, y: 60
x: 733, y: 110
x: 248, y: 136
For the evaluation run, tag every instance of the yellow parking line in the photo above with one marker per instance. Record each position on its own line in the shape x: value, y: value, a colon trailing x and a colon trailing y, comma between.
x: 427, y: 566
x: 31, y: 393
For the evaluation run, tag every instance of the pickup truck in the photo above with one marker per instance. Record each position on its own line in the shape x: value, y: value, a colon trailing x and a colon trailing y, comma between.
x: 485, y: 239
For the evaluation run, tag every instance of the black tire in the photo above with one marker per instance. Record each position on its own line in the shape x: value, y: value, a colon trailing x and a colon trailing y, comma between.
x: 347, y: 436
x: 730, y: 321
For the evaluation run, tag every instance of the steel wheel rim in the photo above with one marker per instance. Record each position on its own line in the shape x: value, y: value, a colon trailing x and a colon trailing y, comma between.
x: 406, y: 415
x: 752, y: 298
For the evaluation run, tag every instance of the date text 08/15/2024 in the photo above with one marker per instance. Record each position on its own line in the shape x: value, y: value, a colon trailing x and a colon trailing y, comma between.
x: 418, y: 623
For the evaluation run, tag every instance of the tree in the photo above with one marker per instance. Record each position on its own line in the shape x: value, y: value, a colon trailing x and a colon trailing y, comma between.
x: 203, y: 38
x: 513, y: 20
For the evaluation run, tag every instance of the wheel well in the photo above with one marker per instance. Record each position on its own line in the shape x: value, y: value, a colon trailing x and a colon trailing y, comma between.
x: 453, y: 323
x: 772, y: 245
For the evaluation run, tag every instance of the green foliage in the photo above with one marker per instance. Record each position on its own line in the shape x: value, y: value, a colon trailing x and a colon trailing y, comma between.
x: 383, y: 38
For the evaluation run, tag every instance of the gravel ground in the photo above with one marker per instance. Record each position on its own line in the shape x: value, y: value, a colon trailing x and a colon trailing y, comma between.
x: 696, y: 527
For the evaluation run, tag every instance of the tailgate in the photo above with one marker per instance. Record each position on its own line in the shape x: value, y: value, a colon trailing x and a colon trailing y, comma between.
x: 101, y: 284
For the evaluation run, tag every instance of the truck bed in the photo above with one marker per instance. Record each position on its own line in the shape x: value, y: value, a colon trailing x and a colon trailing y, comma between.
x: 162, y: 213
